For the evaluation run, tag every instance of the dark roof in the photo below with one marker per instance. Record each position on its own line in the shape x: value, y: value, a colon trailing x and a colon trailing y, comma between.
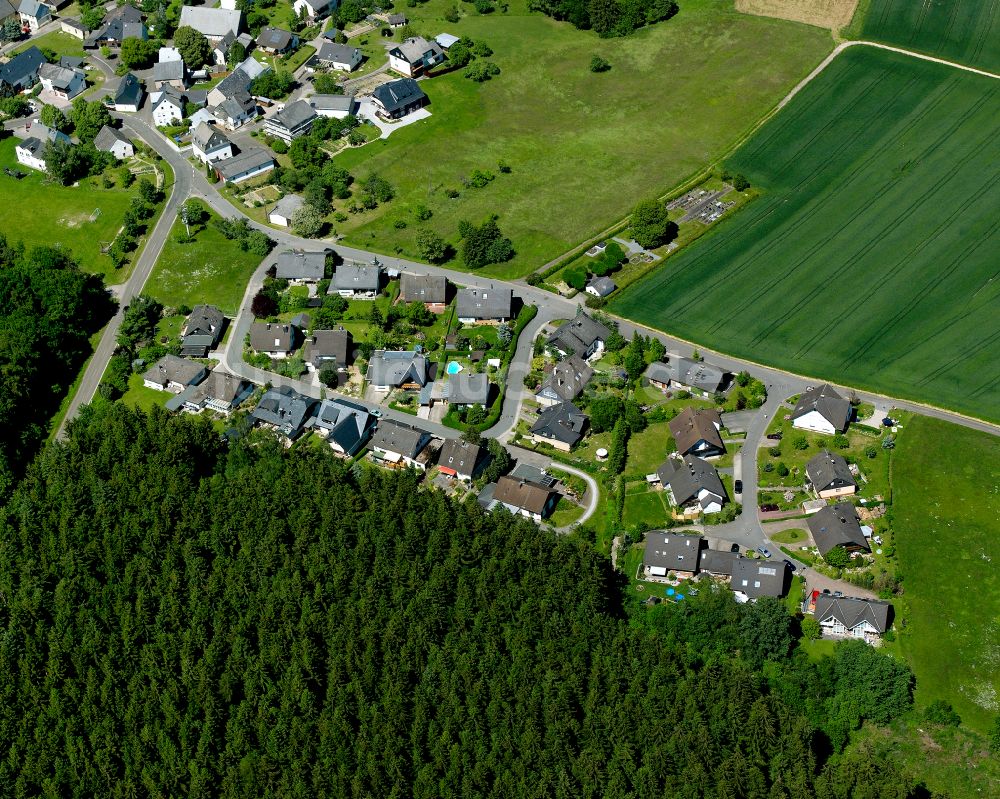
x: 129, y: 91
x: 325, y: 345
x: 523, y: 494
x: 333, y: 102
x: 168, y: 70
x: 670, y: 551
x: 250, y: 158
x: 687, y: 372
x: 760, y: 577
x: 287, y: 206
x: 217, y: 386
x: 347, y: 423
x: 417, y: 50
x: 273, y: 337
x: 209, y: 138
x: 468, y: 388
x: 851, y: 611
x: 22, y: 67
x: 172, y: 369
x: 294, y: 115
x: 300, y: 265
x: 404, y: 439
x: 236, y: 107
x: 392, y: 368
x: 691, y: 426
x: 423, y: 288
x: 717, y: 562
x: 32, y: 145
x: 563, y: 422
x: 568, y: 379
x: 827, y: 470
x: 837, y: 526
x: 202, y: 330
x: 274, y: 38
x: 688, y: 477
x: 579, y: 334
x: 339, y: 53
x: 356, y: 277
x: 602, y: 285
x: 459, y: 455
x: 284, y: 408
x: 827, y: 402
x: 398, y: 94
x: 71, y: 61
x: 488, y: 303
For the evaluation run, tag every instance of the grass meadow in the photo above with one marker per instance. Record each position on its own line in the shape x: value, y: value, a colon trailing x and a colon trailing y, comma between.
x: 869, y: 259
x: 582, y: 147
x: 966, y: 31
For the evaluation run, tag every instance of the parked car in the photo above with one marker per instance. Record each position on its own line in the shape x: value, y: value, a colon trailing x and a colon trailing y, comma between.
x: 376, y: 412
x: 826, y: 590
x: 774, y: 436
x: 768, y: 508
x: 838, y: 593
x: 734, y: 548
x: 764, y: 551
x: 738, y: 486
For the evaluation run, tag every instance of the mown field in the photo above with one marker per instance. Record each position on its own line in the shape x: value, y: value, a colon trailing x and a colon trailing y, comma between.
x: 870, y: 258
x: 583, y: 147
x: 946, y: 503
x: 967, y: 31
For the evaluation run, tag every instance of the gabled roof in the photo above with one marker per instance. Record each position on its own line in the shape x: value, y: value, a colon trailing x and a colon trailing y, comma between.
x: 294, y: 115
x: 602, y: 285
x: 273, y: 337
x: 168, y: 70
x: 827, y: 470
x: 391, y: 368
x: 398, y: 94
x: 169, y: 95
x: 208, y: 138
x: 172, y: 369
x: 423, y: 288
x: 446, y: 40
x: 403, y: 439
x: 329, y: 344
x: 129, y: 91
x: 347, y: 423
x: 356, y: 277
x: 300, y: 265
x: 460, y: 456
x: 284, y: 408
x: 7, y: 10
x: 60, y: 77
x: 236, y: 107
x: 107, y: 138
x: 468, y: 388
x: 687, y: 372
x: 691, y: 426
x: 836, y: 526
x: 205, y: 320
x: 719, y: 562
x: 563, y: 422
x: 22, y: 66
x: 212, y: 22
x: 45, y: 133
x: 568, y: 379
x: 522, y: 494
x: 488, y: 303
x: 217, y: 386
x: 670, y: 551
x: 579, y: 334
x: 852, y: 612
x: 288, y: 205
x: 32, y: 8
x: 33, y: 146
x: 251, y: 158
x: 416, y: 50
x: 334, y: 52
x: 759, y: 577
x: 688, y: 477
x: 274, y: 38
x: 71, y: 61
x: 827, y: 403
x: 333, y: 102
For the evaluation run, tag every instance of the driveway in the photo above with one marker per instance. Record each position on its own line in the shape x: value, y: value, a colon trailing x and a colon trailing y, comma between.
x: 366, y: 110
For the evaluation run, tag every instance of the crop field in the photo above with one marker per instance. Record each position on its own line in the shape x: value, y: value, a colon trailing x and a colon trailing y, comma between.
x: 583, y: 148
x: 966, y: 31
x: 870, y: 258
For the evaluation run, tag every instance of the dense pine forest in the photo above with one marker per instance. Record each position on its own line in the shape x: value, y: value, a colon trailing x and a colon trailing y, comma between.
x: 183, y: 617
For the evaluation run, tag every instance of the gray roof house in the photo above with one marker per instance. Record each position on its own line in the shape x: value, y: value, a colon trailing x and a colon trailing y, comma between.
x: 202, y: 331
x: 837, y: 526
x: 218, y: 392
x: 414, y: 56
x: 333, y: 347
x: 251, y: 162
x: 601, y: 286
x: 274, y: 338
x: 390, y: 369
x: 468, y: 388
x: 292, y: 121
x: 339, y: 56
x: 172, y: 373
x: 300, y: 266
x: 333, y: 105
x: 129, y: 94
x: 567, y: 381
x: 830, y: 475
x: 755, y: 578
x: 670, y: 553
x: 582, y: 335
x: 276, y: 40
x: 284, y: 210
x: 693, y: 482
x: 460, y: 459
x: 285, y: 410
x: 484, y: 305
x: 356, y: 280
x: 214, y: 23
x: 398, y: 98
x: 345, y: 425
x: 396, y: 444
x: 697, y: 431
x: 686, y: 373
x: 849, y: 617
x: 822, y: 410
x: 431, y: 290
x: 109, y: 140
x: 169, y: 72
x: 21, y: 72
x: 560, y: 425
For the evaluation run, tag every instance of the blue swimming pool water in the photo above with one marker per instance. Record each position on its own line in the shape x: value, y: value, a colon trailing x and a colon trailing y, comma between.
x: 453, y: 368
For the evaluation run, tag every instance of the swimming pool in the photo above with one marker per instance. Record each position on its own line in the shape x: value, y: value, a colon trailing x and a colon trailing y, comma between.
x: 453, y: 368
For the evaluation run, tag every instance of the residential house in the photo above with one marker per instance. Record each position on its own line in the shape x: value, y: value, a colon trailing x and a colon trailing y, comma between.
x: 274, y: 338
x: 338, y: 106
x: 601, y: 287
x: 129, y: 94
x: 467, y: 389
x: 670, y: 555
x: 345, y: 425
x: 62, y: 82
x: 219, y: 392
x: 431, y: 290
x: 234, y: 112
x: 213, y: 23
x: 292, y: 121
x: 718, y: 563
x: 389, y: 369
x: 277, y: 41
x: 170, y: 73
x: 21, y: 72
x: 693, y: 483
x: 315, y: 9
x: 397, y: 20
x: 686, y: 374
x: 460, y: 459
x: 415, y: 56
x: 560, y: 426
x: 236, y: 82
x: 754, y: 578
x: 524, y: 498
x: 396, y: 444
x: 490, y: 305
x: 830, y: 475
x: 849, y: 617
x: 697, y: 432
x: 342, y: 57
x: 33, y: 15
x: 396, y: 99
x: 285, y: 209
x: 72, y: 61
x: 837, y: 526
x: 329, y: 348
x: 568, y: 379
x: 356, y: 281
x: 202, y: 331
x: 210, y: 144
x: 71, y: 26
x: 250, y: 163
x: 169, y: 54
x: 124, y: 22
x: 168, y: 107
x: 109, y: 140
x: 172, y: 373
x: 581, y: 336
x: 221, y: 47
x: 31, y: 151
x: 822, y: 410
x: 284, y: 410
x: 298, y: 266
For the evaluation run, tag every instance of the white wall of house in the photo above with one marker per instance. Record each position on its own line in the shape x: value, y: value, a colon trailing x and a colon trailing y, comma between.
x: 400, y: 65
x: 815, y: 422
x: 122, y: 150
x: 126, y: 109
x: 26, y: 158
x: 76, y: 85
x: 863, y: 631
x: 277, y: 219
x: 837, y: 492
x: 251, y: 173
x: 310, y: 8
x: 72, y: 30
x: 167, y: 114
x: 218, y: 154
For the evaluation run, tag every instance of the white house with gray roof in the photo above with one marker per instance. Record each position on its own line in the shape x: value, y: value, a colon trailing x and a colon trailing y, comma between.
x: 337, y: 106
x: 31, y: 151
x: 338, y: 56
x: 172, y: 373
x: 33, y: 14
x: 170, y: 73
x: 560, y: 426
x: 213, y: 23
x: 168, y: 107
x: 219, y: 392
x: 458, y: 458
x: 292, y: 121
x: 251, y: 163
x: 283, y: 210
x: 63, y: 82
x: 415, y: 56
x: 679, y: 373
x: 345, y: 425
x: 389, y: 369
x: 396, y: 444
x: 467, y: 389
x: 567, y: 381
x: 284, y: 410
x: 822, y: 410
x: 276, y: 40
x: 849, y: 617
x: 209, y: 144
x: 356, y: 281
x: 299, y: 266
x: 582, y: 336
x: 488, y: 305
x: 129, y: 94
x: 314, y: 9
x: 694, y: 484
x: 109, y: 140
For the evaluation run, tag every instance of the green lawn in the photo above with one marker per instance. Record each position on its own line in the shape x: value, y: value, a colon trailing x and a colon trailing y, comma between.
x: 565, y: 513
x: 141, y: 396
x: 37, y: 211
x: 583, y: 147
x: 211, y: 270
x: 59, y: 42
x: 966, y: 31
x: 648, y: 507
x: 793, y: 536
x: 870, y: 257
x: 947, y: 503
x: 647, y: 450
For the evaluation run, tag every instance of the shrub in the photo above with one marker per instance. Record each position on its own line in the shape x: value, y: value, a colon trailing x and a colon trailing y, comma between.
x: 941, y: 712
x: 481, y: 71
x: 800, y: 442
x: 782, y: 470
x: 279, y: 146
x: 871, y: 451
x: 598, y: 64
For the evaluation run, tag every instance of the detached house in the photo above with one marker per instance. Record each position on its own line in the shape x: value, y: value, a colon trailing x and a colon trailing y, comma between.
x: 63, y: 82
x: 686, y: 374
x: 171, y: 373
x: 294, y: 120
x: 234, y: 112
x: 284, y: 410
x: 237, y: 82
x: 345, y: 425
x: 490, y: 305
x: 168, y: 107
x: 276, y: 41
x: 109, y: 140
x: 285, y: 209
x: 210, y: 144
x: 460, y: 459
x: 170, y: 73
x: 468, y: 389
x: 396, y: 445
x: 124, y: 22
x: 21, y: 72
x: 822, y: 410
x: 251, y: 163
x: 756, y: 578
x: 337, y: 106
x: 848, y: 617
x: 567, y: 381
x: 342, y: 57
x: 693, y: 483
x: 298, y: 266
x: 315, y: 9
x: 31, y: 151
x: 213, y: 23
x: 431, y: 290
x: 560, y: 426
x: 33, y: 15
x: 329, y: 348
x: 356, y: 281
x: 830, y: 475
x: 697, y: 432
x: 670, y: 555
x: 601, y: 287
x: 202, y: 331
x: 581, y: 336
x: 129, y: 94
x: 396, y: 99
x: 837, y: 526
x: 524, y: 498
x: 389, y: 369
x: 415, y: 56
x: 218, y: 392
x: 276, y: 339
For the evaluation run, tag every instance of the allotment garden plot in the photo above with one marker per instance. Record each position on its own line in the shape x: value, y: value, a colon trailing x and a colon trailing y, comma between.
x: 870, y: 259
